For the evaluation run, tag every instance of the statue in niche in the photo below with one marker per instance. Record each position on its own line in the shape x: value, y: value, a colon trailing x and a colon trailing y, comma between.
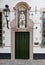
x: 22, y: 20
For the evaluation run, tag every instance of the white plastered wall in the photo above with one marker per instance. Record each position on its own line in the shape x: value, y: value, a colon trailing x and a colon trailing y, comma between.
x: 35, y: 18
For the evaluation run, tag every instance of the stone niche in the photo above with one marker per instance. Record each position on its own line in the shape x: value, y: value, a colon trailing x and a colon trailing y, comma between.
x: 21, y: 23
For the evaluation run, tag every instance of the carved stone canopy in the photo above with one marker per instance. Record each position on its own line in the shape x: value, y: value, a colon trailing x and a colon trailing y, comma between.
x: 22, y: 4
x: 22, y: 7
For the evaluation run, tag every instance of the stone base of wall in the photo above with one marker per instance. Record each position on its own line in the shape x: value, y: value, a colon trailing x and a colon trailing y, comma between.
x: 23, y: 63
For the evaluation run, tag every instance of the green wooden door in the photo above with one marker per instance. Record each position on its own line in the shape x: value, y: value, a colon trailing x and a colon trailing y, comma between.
x: 22, y: 45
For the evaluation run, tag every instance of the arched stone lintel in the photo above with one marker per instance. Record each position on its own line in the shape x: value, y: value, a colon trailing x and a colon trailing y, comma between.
x: 22, y: 4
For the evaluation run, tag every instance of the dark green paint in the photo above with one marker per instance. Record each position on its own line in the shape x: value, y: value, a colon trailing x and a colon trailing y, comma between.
x: 22, y: 45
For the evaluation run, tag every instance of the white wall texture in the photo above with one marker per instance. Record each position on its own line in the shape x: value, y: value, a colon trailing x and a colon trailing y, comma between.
x: 35, y: 18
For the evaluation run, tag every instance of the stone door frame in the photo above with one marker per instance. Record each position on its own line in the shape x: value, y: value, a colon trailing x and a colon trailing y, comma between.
x: 13, y: 44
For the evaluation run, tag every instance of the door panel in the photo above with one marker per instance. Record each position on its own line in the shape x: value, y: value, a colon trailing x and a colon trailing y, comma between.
x: 22, y: 45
